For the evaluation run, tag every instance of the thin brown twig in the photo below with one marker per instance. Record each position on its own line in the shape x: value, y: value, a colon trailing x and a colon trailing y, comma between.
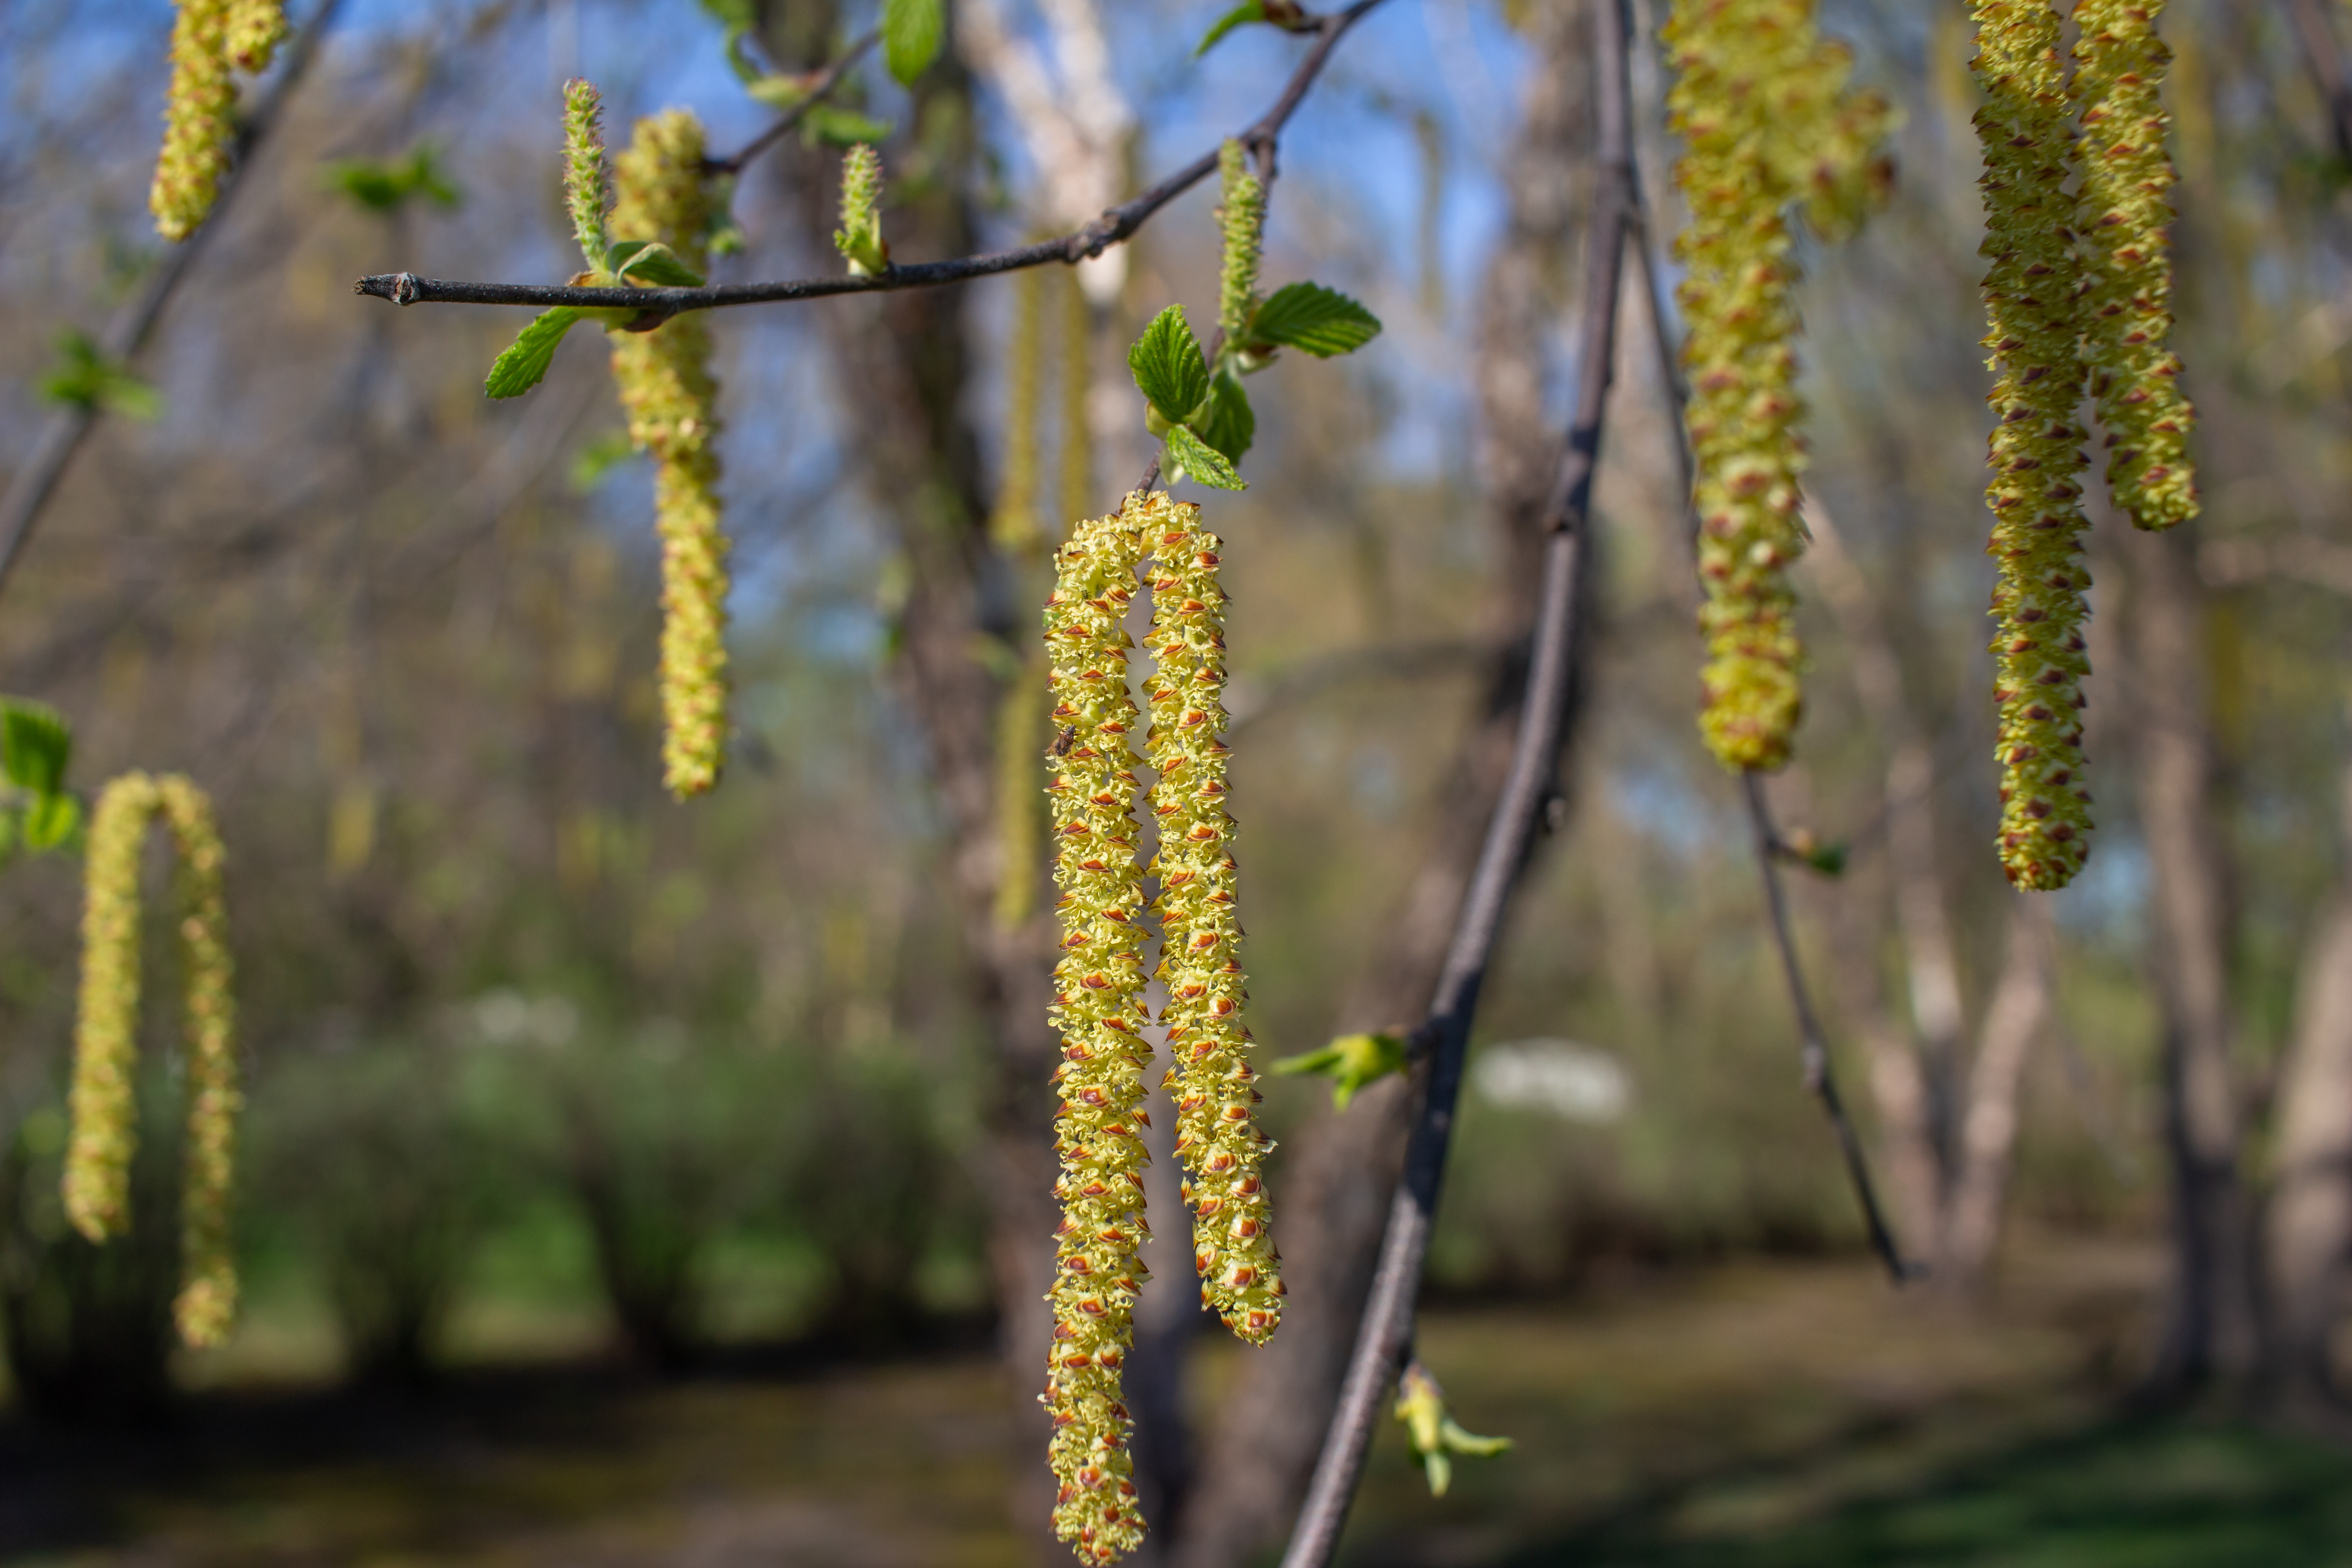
x: 1113, y: 226
x: 32, y: 485
x: 818, y: 89
x: 1384, y: 1338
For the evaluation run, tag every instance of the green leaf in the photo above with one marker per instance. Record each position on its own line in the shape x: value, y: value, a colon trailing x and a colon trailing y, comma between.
x: 51, y: 821
x: 1192, y: 456
x: 1247, y: 11
x: 1306, y: 316
x: 91, y: 379
x: 386, y: 186
x: 1168, y: 366
x: 1351, y: 1060
x: 1228, y: 425
x: 650, y: 264
x: 911, y: 30
x: 35, y: 744
x: 598, y: 458
x: 524, y: 365
x: 747, y: 70
x: 830, y: 125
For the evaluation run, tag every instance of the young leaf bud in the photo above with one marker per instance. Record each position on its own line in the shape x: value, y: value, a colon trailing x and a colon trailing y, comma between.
x: 859, y: 238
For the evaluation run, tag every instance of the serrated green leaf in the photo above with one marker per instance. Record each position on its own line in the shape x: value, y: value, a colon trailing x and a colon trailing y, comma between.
x: 1168, y: 366
x: 650, y: 264
x: 911, y: 30
x: 830, y: 125
x: 1228, y: 425
x: 51, y: 821
x: 524, y: 364
x: 1195, y: 458
x: 36, y: 745
x: 1246, y: 12
x: 1315, y: 320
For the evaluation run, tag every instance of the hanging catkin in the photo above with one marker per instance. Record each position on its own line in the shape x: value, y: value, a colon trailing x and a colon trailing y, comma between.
x: 2032, y: 301
x: 1016, y: 529
x: 2125, y: 214
x: 254, y: 31
x: 1077, y: 382
x: 1216, y: 1130
x: 200, y: 120
x: 667, y: 391
x: 103, y: 1101
x: 1100, y: 1012
x: 1766, y: 120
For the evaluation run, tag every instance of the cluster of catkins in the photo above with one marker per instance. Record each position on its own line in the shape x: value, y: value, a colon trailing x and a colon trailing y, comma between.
x: 209, y: 39
x: 2079, y: 289
x: 1099, y: 983
x: 1768, y: 121
x: 103, y: 1101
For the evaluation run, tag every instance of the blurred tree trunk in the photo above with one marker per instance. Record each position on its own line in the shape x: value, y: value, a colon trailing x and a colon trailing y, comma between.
x: 1335, y: 1182
x: 2211, y: 1335
x: 903, y: 370
x: 2310, y: 1218
x: 2021, y: 1004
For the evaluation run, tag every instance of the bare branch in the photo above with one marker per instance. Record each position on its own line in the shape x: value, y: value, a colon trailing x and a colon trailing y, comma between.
x: 1114, y: 225
x: 1385, y: 1336
x: 818, y: 90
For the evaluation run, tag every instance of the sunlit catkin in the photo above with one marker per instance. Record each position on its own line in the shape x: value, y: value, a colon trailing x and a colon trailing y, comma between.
x: 1217, y: 1135
x: 199, y: 121
x: 1241, y: 226
x: 1100, y: 1012
x: 586, y: 190
x: 2123, y: 217
x: 1766, y: 119
x: 256, y: 27
x: 667, y: 388
x: 103, y: 1100
x: 2032, y: 302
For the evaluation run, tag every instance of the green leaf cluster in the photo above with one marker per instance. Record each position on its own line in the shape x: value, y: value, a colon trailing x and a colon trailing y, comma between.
x: 1351, y: 1061
x: 385, y: 185
x: 822, y: 124
x: 88, y: 378
x: 37, y: 813
x: 1286, y: 15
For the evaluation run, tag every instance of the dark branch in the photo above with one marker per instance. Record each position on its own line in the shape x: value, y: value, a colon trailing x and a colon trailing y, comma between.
x: 1385, y: 1336
x: 1115, y: 226
x: 31, y: 486
x: 791, y: 118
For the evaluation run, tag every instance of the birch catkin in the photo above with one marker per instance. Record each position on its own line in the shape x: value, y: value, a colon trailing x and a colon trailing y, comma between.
x: 1216, y: 1130
x: 667, y: 391
x: 199, y: 121
x: 254, y: 31
x: 1100, y: 1012
x: 2033, y: 299
x: 103, y: 1102
x: 2125, y: 214
x: 1761, y: 105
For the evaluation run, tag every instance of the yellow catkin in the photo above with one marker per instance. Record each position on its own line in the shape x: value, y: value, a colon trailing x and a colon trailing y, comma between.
x: 1014, y: 524
x: 2125, y: 217
x: 103, y: 1102
x: 1766, y: 121
x: 667, y: 389
x: 255, y: 29
x: 1014, y: 527
x: 1022, y: 732
x: 2032, y: 303
x: 1099, y: 1011
x: 1217, y: 1135
x: 1078, y: 381
x: 199, y: 121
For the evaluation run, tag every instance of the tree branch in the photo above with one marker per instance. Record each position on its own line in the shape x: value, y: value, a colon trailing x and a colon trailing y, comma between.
x: 1385, y: 1336
x: 31, y: 486
x: 1113, y: 226
x: 829, y: 79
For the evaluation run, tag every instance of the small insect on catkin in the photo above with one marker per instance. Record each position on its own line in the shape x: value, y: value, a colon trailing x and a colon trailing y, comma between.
x: 669, y: 396
x: 1217, y: 1135
x: 1762, y: 104
x: 2125, y: 217
x: 2032, y: 300
x: 1098, y: 1009
x: 103, y: 1102
x: 199, y: 121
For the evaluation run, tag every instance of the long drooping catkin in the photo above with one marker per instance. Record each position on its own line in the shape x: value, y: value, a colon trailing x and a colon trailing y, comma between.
x: 1078, y: 381
x: 103, y: 1101
x: 1216, y: 1130
x: 1100, y: 1012
x: 2125, y: 217
x: 667, y: 389
x: 1766, y: 121
x: 200, y: 120
x: 2032, y: 300
x: 254, y: 31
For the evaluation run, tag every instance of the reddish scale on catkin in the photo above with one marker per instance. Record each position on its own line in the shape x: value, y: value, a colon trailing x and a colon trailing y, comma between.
x: 2032, y: 298
x: 1217, y: 1135
x: 1099, y: 1011
x: 2125, y: 217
